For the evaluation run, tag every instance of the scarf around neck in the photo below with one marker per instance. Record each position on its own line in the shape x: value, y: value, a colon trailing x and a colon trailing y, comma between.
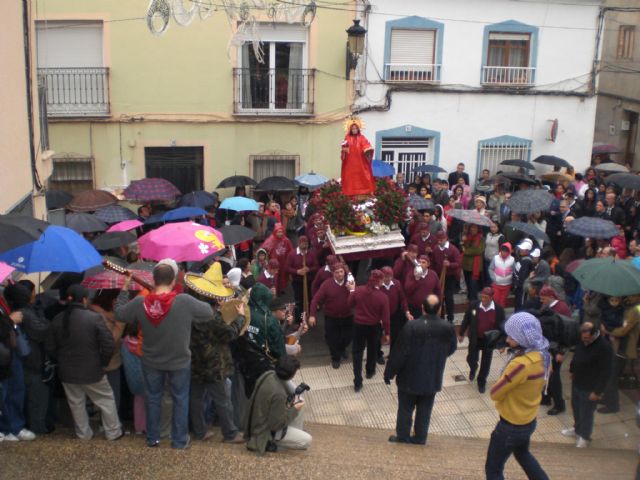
x: 158, y: 305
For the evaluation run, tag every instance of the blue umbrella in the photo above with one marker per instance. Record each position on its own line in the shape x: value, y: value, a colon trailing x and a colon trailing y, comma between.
x: 59, y: 249
x: 311, y: 180
x: 239, y: 204
x: 382, y: 169
x: 182, y: 213
x: 200, y: 199
x: 429, y: 169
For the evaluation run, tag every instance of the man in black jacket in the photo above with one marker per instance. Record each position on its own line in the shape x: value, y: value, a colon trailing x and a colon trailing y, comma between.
x: 590, y: 369
x: 417, y: 361
x: 459, y: 173
x: 481, y: 317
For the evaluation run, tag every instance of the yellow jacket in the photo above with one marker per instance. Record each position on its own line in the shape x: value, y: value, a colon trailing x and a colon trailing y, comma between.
x: 630, y: 328
x: 518, y: 392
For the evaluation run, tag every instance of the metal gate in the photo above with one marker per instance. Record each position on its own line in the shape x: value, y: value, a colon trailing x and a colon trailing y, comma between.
x: 182, y: 166
x: 405, y: 154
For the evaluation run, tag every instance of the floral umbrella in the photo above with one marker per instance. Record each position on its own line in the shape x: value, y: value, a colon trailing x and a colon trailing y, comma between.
x: 183, y: 241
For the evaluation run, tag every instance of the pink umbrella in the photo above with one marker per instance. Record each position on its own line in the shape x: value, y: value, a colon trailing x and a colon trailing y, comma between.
x: 5, y: 271
x: 184, y: 242
x: 125, y: 226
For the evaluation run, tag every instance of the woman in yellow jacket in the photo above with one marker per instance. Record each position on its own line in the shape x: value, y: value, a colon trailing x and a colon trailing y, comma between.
x: 517, y: 395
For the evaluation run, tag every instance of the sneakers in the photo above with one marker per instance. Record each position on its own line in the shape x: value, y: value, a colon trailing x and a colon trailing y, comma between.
x: 24, y: 435
x: 555, y: 411
x: 582, y: 442
x: 10, y: 437
x: 568, y: 432
x: 1, y: 437
x: 153, y: 443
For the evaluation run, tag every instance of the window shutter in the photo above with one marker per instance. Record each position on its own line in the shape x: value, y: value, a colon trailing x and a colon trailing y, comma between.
x: 69, y: 44
x: 518, y: 37
x: 412, y: 47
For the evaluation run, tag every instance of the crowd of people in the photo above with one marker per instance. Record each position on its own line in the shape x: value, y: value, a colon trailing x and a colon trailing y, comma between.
x: 221, y: 340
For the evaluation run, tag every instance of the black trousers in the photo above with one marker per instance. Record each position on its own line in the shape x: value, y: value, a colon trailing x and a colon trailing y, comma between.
x: 338, y: 331
x: 450, y: 287
x: 407, y: 404
x: 364, y: 336
x: 554, y: 389
x: 485, y: 364
x: 398, y: 320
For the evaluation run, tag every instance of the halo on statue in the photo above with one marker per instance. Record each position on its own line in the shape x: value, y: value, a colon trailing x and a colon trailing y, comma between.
x: 357, y: 121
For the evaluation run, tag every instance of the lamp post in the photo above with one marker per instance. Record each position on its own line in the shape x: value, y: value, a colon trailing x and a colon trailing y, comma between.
x: 355, y: 45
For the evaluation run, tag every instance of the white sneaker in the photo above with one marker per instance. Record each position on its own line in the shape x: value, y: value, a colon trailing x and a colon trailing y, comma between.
x: 26, y: 435
x: 581, y: 442
x: 10, y: 437
x: 568, y: 432
x: 1, y: 437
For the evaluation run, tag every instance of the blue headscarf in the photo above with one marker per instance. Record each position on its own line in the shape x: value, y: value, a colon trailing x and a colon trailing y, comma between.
x: 525, y: 329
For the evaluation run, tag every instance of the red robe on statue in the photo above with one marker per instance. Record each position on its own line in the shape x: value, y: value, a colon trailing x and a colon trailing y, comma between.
x: 357, y: 174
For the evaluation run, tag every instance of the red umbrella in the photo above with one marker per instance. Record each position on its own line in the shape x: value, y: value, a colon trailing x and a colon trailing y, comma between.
x: 151, y: 190
x: 91, y: 200
x: 112, y: 280
x: 603, y: 148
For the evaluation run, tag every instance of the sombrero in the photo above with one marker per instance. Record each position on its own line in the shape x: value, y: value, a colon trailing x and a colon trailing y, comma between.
x: 210, y: 284
x: 229, y: 314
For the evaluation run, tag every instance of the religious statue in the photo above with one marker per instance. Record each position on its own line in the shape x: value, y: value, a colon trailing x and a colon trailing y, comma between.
x: 356, y: 154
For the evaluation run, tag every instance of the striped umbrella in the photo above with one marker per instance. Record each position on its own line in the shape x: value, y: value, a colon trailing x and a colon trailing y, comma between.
x: 115, y: 214
x: 110, y: 280
x: 592, y: 227
x: 151, y: 190
x: 530, y: 201
x: 470, y: 216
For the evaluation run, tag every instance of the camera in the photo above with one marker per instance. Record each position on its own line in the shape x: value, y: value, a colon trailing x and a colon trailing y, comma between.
x: 300, y: 389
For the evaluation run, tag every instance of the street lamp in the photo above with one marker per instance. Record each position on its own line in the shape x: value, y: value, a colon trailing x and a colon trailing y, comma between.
x: 355, y: 45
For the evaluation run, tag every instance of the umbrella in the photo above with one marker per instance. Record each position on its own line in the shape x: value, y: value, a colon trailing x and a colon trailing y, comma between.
x: 115, y: 214
x: 617, y: 278
x: 239, y: 204
x: 624, y: 180
x: 5, y: 271
x: 611, y: 167
x: 552, y: 160
x: 91, y: 200
x: 530, y: 230
x: 470, y: 216
x: 199, y: 198
x: 554, y: 177
x: 530, y: 201
x: 516, y: 178
x: 603, y: 148
x: 419, y: 203
x: 59, y: 249
x: 155, y: 218
x: 125, y: 226
x: 151, y: 190
x: 516, y: 162
x: 110, y: 240
x: 16, y: 230
x: 84, y: 223
x: 573, y: 265
x: 592, y: 227
x: 110, y: 280
x: 236, y: 181
x: 57, y: 199
x: 184, y: 242
x: 275, y: 184
x: 429, y: 169
x: 182, y: 213
x: 311, y: 180
x: 235, y: 234
x: 382, y: 169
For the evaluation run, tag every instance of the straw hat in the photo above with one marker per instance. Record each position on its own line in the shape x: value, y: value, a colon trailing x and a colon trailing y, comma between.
x: 210, y: 284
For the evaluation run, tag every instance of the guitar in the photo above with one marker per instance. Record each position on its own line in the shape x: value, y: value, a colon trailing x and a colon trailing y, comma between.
x: 123, y: 271
x: 294, y: 337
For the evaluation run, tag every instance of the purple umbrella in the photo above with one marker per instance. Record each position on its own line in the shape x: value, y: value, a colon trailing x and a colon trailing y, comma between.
x: 151, y: 190
x: 604, y: 148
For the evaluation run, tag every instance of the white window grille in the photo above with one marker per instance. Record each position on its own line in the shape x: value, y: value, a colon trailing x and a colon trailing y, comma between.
x: 405, y: 154
x: 492, y: 153
x: 264, y: 166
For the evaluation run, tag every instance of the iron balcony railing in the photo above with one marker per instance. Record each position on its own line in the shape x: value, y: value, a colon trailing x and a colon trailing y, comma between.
x: 275, y: 91
x: 76, y: 92
x: 408, y: 72
x: 508, y: 76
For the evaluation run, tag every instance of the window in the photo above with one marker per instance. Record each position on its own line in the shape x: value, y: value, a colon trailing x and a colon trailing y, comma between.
x: 72, y: 174
x: 275, y: 79
x: 182, y: 166
x: 413, y: 50
x: 70, y: 64
x: 405, y: 154
x: 509, y: 54
x: 493, y: 151
x: 626, y: 40
x: 264, y: 166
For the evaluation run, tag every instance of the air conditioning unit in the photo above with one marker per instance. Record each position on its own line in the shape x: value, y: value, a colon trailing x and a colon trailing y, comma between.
x: 625, y: 125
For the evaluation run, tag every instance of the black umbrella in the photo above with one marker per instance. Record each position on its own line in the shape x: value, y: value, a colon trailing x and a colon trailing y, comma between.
x: 236, y: 181
x: 84, y: 223
x: 276, y: 184
x: 517, y: 178
x: 519, y: 163
x: 624, y: 180
x: 199, y: 198
x: 552, y: 160
x: 235, y: 234
x: 419, y: 203
x: 110, y: 240
x: 530, y: 201
x: 611, y: 167
x: 17, y: 230
x: 530, y: 229
x: 592, y: 227
x: 57, y: 199
x: 429, y: 169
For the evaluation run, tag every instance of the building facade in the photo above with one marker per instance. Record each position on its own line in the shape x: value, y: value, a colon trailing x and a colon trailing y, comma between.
x: 447, y: 81
x: 619, y: 81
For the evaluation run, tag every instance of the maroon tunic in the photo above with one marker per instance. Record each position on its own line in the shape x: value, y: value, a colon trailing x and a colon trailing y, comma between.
x: 562, y: 308
x: 268, y: 282
x: 371, y: 307
x: 418, y: 290
x: 319, y: 279
x: 422, y: 245
x: 397, y: 298
x: 334, y: 299
x: 452, y: 254
x: 402, y: 268
x: 294, y: 263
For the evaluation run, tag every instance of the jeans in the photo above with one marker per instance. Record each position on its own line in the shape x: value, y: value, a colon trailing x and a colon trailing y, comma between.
x: 13, y: 391
x: 179, y: 380
x: 407, y: 403
x: 485, y: 364
x: 472, y: 285
x: 37, y: 401
x: 364, y: 336
x: 583, y: 410
x: 338, y: 333
x: 555, y: 386
x: 508, y: 439
x: 217, y: 393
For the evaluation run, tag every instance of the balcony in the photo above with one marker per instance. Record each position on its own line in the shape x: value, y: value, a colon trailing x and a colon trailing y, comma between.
x: 416, y: 73
x: 76, y: 92
x: 275, y: 92
x: 508, y: 76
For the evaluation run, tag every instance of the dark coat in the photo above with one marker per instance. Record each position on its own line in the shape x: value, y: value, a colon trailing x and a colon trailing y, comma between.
x: 470, y: 321
x: 82, y: 355
x: 36, y: 327
x: 419, y: 355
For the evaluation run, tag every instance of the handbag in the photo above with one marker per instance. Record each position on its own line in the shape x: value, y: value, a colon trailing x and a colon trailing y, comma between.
x: 23, y: 348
